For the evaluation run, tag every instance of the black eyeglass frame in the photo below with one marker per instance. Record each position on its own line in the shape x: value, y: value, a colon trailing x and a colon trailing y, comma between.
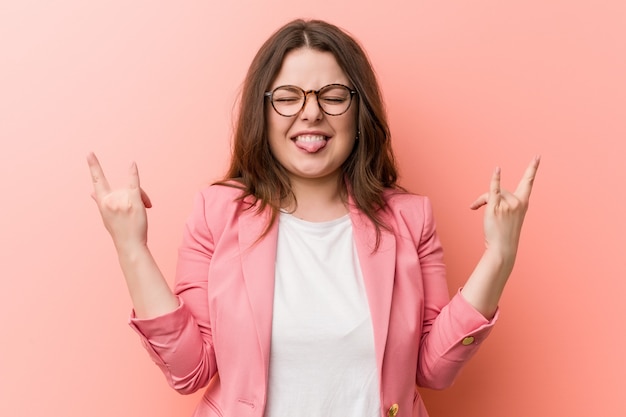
x: 270, y: 95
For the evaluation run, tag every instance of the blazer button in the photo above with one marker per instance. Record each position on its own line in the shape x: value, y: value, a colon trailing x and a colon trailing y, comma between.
x: 468, y: 341
x: 393, y: 411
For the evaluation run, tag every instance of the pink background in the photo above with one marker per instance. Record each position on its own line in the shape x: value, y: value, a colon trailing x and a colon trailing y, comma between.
x: 469, y: 85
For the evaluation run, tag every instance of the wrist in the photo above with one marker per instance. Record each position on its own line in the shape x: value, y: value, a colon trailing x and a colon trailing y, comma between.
x: 499, y: 262
x: 131, y: 251
x: 503, y: 254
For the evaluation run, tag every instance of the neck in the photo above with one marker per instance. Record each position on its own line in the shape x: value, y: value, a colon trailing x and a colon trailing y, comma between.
x: 318, y: 200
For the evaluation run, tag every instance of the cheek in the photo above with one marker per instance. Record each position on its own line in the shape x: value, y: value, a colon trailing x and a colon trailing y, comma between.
x: 277, y: 125
x: 352, y: 121
x: 349, y: 126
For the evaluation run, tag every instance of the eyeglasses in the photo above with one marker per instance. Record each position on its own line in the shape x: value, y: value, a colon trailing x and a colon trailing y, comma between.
x: 333, y: 99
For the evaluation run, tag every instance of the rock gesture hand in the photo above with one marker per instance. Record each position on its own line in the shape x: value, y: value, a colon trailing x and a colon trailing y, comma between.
x: 505, y: 211
x: 123, y: 210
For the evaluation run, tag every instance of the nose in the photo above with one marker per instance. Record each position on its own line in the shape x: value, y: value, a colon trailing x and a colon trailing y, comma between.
x: 311, y: 109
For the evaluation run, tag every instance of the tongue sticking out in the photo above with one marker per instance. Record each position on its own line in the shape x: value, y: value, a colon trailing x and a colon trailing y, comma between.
x: 311, y: 146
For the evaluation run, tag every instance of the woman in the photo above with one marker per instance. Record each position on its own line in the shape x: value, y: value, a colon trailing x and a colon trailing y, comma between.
x: 309, y: 283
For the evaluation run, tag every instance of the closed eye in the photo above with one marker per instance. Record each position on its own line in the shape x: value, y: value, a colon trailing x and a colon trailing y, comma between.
x: 287, y: 99
x: 333, y: 100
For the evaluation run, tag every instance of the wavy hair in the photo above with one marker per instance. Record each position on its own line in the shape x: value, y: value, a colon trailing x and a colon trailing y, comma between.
x: 368, y: 170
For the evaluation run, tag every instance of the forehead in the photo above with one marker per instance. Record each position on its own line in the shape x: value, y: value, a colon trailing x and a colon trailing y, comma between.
x: 310, y: 69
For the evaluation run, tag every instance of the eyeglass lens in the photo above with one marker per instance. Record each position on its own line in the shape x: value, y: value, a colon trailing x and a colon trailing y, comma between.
x: 333, y: 99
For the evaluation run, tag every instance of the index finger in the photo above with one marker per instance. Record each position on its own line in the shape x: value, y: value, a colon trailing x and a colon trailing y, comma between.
x: 100, y: 183
x: 526, y: 184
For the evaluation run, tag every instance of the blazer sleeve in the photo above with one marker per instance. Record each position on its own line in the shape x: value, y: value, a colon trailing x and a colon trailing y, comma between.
x: 180, y: 342
x: 452, y: 329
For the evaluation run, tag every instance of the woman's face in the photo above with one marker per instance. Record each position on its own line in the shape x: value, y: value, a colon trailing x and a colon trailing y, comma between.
x: 311, y: 145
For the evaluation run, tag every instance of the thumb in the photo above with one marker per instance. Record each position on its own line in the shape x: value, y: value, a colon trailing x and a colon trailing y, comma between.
x: 145, y: 199
x: 480, y: 201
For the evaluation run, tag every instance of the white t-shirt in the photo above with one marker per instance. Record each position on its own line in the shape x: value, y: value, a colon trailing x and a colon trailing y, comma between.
x: 322, y: 359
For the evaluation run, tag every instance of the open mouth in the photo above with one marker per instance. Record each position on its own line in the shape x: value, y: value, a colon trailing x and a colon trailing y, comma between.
x: 310, y: 143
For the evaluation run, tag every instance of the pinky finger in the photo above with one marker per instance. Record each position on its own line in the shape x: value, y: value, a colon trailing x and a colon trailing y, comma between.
x: 494, y: 187
x: 495, y: 193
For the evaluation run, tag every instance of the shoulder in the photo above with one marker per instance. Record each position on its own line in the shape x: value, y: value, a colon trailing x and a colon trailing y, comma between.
x: 399, y: 201
x: 409, y: 213
x: 218, y: 202
x: 222, y: 193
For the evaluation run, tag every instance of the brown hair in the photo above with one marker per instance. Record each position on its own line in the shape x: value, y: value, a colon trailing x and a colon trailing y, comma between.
x: 369, y: 169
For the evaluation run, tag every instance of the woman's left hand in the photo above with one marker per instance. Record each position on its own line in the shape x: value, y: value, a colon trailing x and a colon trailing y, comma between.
x: 505, y: 211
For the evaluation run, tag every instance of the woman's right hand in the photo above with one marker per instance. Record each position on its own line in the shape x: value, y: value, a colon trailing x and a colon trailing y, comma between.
x: 123, y: 210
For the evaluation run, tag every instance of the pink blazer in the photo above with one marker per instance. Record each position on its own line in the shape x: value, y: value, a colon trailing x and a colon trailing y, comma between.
x: 220, y: 334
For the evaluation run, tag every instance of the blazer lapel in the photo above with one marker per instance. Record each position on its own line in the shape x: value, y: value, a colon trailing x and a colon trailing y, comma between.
x: 258, y: 263
x: 378, y: 269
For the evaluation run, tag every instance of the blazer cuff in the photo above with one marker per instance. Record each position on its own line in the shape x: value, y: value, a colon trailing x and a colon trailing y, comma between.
x: 471, y: 326
x: 160, y: 335
x: 166, y: 325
